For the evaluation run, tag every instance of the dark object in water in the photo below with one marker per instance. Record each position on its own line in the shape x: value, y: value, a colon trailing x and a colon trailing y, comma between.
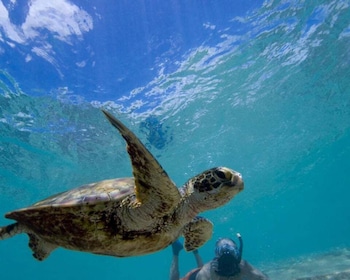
x: 157, y: 135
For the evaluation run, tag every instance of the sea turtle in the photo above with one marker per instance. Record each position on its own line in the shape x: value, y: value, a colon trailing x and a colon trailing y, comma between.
x: 126, y: 216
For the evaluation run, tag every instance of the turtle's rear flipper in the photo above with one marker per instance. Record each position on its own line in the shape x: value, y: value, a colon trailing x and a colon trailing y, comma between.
x: 10, y: 230
x: 41, y: 249
x: 197, y: 232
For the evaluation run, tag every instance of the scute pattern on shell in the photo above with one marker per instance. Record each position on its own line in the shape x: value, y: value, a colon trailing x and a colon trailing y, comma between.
x: 107, y: 190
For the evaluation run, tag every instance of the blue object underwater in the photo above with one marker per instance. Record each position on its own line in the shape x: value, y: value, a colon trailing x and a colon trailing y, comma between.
x: 157, y: 135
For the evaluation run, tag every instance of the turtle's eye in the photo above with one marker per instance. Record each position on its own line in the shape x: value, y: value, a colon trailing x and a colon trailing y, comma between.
x: 220, y: 174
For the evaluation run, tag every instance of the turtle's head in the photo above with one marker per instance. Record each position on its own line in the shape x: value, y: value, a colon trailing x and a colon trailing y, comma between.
x: 214, y: 187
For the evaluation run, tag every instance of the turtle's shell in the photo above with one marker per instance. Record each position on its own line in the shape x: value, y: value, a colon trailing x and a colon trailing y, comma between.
x: 107, y: 190
x: 75, y: 218
x: 82, y: 201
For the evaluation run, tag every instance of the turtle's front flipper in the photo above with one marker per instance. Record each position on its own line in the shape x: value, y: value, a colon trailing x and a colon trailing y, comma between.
x: 10, y: 230
x: 154, y: 188
x: 197, y: 232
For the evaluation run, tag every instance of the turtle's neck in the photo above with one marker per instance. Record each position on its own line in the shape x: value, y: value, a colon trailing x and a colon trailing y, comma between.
x: 188, y: 207
x: 187, y: 210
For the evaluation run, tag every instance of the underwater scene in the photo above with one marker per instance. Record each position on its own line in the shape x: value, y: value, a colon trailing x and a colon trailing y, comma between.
x: 259, y: 87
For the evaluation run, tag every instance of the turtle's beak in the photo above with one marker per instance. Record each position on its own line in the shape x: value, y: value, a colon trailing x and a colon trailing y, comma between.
x: 237, y: 181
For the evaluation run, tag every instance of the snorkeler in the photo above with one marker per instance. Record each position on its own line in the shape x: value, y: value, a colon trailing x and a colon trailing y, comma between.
x: 227, y: 263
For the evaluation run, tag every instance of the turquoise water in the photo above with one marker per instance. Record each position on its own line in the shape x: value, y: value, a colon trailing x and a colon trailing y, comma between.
x: 270, y: 99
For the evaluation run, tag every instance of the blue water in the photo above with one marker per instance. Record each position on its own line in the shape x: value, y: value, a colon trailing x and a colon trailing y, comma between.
x: 261, y: 87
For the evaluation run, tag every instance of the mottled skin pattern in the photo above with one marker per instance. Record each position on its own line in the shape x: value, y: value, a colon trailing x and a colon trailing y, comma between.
x: 126, y: 216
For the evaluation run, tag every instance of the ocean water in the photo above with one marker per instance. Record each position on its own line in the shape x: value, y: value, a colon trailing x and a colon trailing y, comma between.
x: 265, y: 92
